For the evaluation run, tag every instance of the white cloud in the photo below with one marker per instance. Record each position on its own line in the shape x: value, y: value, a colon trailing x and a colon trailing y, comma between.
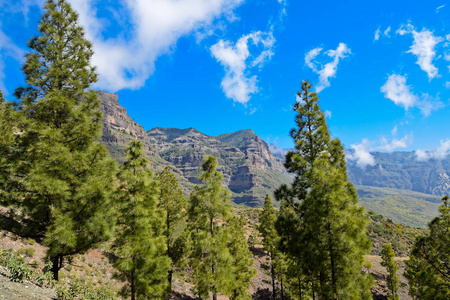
x: 329, y: 69
x: 396, y: 90
x: 395, y: 143
x: 362, y: 155
x: 377, y: 34
x: 237, y: 60
x: 394, y: 130
x: 440, y: 153
x: 8, y: 49
x: 439, y: 8
x: 328, y: 114
x: 155, y: 27
x: 387, y: 31
x: 423, y: 48
x: 447, y: 84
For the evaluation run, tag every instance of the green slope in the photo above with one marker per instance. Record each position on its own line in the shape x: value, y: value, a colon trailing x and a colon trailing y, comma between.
x: 402, y: 206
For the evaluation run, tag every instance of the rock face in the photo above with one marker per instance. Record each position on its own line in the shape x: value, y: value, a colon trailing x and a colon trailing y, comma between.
x: 119, y: 128
x: 402, y: 170
x: 249, y: 169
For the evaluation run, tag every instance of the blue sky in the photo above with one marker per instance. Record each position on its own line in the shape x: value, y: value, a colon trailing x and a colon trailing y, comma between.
x: 382, y: 68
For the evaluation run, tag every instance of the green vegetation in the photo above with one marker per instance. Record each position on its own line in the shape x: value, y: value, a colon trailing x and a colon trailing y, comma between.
x: 218, y: 248
x: 321, y: 225
x: 61, y: 178
x: 270, y: 238
x: 387, y: 255
x: 428, y: 268
x: 383, y: 230
x: 402, y: 206
x: 173, y: 204
x: 139, y: 246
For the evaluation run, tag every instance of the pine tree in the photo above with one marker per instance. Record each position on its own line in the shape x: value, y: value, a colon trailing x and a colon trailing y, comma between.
x: 330, y: 227
x: 173, y: 204
x: 387, y: 256
x: 140, y: 244
x: 209, y: 256
x: 60, y: 57
x: 270, y: 237
x: 63, y: 177
x: 242, y: 260
x: 428, y: 269
x: 9, y: 119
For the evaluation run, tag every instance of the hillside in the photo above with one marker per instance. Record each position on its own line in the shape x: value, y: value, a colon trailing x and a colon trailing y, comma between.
x: 401, y: 170
x: 93, y: 272
x: 249, y: 168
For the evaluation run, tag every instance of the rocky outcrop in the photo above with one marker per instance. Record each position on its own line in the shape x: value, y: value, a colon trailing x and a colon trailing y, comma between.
x: 249, y: 169
x: 119, y: 128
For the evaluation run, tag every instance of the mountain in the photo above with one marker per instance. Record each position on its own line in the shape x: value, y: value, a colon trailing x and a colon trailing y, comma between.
x: 249, y: 169
x: 398, y: 186
x: 401, y: 170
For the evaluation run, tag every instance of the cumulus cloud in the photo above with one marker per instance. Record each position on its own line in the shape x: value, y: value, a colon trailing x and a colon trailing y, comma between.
x: 328, y: 70
x: 396, y: 90
x: 395, y: 143
x: 127, y: 60
x: 423, y: 48
x: 361, y: 154
x: 400, y: 93
x: 237, y: 61
x: 440, y: 153
x: 327, y: 114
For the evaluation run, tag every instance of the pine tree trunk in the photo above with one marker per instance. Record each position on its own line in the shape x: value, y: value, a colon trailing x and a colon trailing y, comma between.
x: 211, y: 225
x: 282, y: 288
x: 299, y: 289
x: 170, y: 280
x: 55, y: 267
x: 273, y: 278
x: 133, y: 284
x: 168, y: 252
x: 333, y: 265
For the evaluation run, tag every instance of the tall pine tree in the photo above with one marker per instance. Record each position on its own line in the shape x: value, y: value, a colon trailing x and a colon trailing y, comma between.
x: 329, y: 225
x: 242, y: 260
x: 270, y: 237
x: 63, y: 177
x: 140, y: 244
x: 209, y: 255
x: 428, y: 267
x: 174, y: 205
x: 387, y: 256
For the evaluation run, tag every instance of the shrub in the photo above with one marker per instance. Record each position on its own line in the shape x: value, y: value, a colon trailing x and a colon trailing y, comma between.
x: 83, y: 288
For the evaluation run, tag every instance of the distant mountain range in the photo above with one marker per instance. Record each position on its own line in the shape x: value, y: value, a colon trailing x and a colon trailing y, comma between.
x: 397, y: 186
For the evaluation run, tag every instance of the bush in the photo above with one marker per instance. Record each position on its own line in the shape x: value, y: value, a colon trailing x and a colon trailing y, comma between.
x: 82, y: 288
x: 27, y: 251
x: 19, y: 270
